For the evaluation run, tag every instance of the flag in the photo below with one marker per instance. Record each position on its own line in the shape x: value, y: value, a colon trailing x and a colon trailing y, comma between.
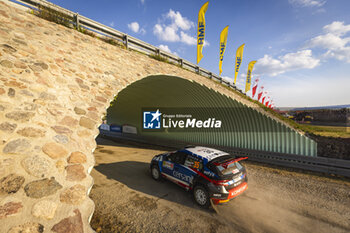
x: 260, y: 92
x: 267, y: 101
x: 201, y: 31
x: 239, y: 57
x: 270, y: 105
x: 265, y: 95
x: 249, y: 76
x: 223, y: 40
x: 255, y: 87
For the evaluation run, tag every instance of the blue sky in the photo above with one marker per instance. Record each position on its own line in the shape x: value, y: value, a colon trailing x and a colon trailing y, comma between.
x: 302, y: 46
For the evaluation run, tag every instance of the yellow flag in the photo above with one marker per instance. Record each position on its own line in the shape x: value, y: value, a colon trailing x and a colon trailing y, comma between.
x: 239, y: 57
x: 223, y: 40
x: 249, y: 76
x: 201, y: 31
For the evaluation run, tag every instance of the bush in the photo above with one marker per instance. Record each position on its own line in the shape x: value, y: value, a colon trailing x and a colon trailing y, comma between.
x: 86, y: 32
x: 53, y: 16
x: 159, y: 58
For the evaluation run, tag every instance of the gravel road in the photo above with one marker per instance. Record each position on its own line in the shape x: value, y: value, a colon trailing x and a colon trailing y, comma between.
x: 278, y: 200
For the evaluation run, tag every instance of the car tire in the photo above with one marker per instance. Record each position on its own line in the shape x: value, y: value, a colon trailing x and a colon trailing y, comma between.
x: 155, y: 173
x: 201, y: 196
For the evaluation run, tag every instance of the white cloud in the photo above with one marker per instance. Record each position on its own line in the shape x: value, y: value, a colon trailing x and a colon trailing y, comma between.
x: 228, y: 79
x: 135, y: 27
x: 308, y: 3
x: 291, y: 61
x: 167, y: 49
x: 178, y: 21
x: 187, y: 39
x: 142, y: 31
x: 175, y: 28
x: 334, y: 41
x: 142, y: 2
x: 111, y: 24
x: 337, y: 28
x: 166, y: 33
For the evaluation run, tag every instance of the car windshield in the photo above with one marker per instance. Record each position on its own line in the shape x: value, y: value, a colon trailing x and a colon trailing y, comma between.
x: 231, y: 168
x: 225, y: 165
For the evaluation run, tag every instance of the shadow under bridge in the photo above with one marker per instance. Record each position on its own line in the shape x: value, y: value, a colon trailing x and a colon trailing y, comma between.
x: 179, y: 99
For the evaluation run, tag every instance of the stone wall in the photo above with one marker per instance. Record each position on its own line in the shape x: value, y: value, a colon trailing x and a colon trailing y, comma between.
x: 55, y: 86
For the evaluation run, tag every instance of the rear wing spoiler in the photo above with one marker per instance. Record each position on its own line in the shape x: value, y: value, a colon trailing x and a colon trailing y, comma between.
x: 231, y: 161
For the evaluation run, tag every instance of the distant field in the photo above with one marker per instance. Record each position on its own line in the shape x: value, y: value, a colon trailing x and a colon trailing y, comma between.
x: 327, y: 131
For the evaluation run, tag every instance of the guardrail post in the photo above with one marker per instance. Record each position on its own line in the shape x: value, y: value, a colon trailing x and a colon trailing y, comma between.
x: 126, y: 41
x: 197, y: 69
x: 76, y: 18
x: 157, y: 52
x: 220, y: 79
x: 211, y: 75
x: 181, y: 62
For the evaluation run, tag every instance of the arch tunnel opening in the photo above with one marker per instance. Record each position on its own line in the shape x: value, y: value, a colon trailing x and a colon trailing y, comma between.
x: 179, y: 99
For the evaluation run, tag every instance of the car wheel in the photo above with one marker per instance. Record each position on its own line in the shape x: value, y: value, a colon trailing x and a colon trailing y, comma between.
x: 201, y: 196
x: 155, y: 172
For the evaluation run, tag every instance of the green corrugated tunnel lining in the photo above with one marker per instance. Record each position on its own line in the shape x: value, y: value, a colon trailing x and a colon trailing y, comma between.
x: 249, y: 128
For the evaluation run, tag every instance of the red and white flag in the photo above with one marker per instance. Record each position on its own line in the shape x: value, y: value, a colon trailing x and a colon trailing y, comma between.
x: 267, y: 101
x: 255, y: 87
x: 264, y: 98
x: 260, y: 92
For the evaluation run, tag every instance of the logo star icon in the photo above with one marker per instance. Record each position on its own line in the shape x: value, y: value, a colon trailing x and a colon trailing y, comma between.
x: 156, y: 115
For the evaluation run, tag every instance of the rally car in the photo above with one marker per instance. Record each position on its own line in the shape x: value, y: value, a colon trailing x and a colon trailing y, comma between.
x: 211, y: 174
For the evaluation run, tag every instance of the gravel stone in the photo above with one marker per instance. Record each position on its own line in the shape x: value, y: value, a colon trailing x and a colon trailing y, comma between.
x: 75, y: 172
x: 74, y: 195
x: 63, y: 139
x: 20, y: 115
x: 42, y: 188
x: 29, y: 227
x: 36, y: 166
x: 16, y: 146
x: 54, y: 150
x: 11, y: 183
x: 79, y: 111
x: 11, y: 92
x: 10, y: 208
x: 77, y: 157
x: 72, y: 224
x: 6, y: 63
x: 87, y: 123
x: 31, y: 132
x: 44, y: 209
x: 7, y: 127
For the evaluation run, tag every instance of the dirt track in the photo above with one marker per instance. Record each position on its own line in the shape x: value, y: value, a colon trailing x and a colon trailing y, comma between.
x: 128, y: 200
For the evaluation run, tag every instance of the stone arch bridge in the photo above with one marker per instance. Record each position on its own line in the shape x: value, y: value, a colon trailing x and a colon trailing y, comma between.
x: 55, y: 86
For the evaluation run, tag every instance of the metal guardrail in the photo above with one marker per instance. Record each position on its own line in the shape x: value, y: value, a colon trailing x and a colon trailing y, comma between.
x: 316, y: 164
x: 128, y: 41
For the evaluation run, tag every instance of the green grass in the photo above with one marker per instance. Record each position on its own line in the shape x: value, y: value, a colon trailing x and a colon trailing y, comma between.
x: 86, y: 31
x: 159, y: 58
x: 53, y: 16
x: 327, y: 131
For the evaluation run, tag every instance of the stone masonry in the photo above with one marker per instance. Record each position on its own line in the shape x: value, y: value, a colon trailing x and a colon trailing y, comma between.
x: 55, y: 86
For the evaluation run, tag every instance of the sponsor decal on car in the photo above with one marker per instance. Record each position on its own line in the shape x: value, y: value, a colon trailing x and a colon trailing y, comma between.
x: 235, y: 180
x: 168, y: 165
x: 209, y: 173
x: 183, y: 177
x: 239, y: 190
